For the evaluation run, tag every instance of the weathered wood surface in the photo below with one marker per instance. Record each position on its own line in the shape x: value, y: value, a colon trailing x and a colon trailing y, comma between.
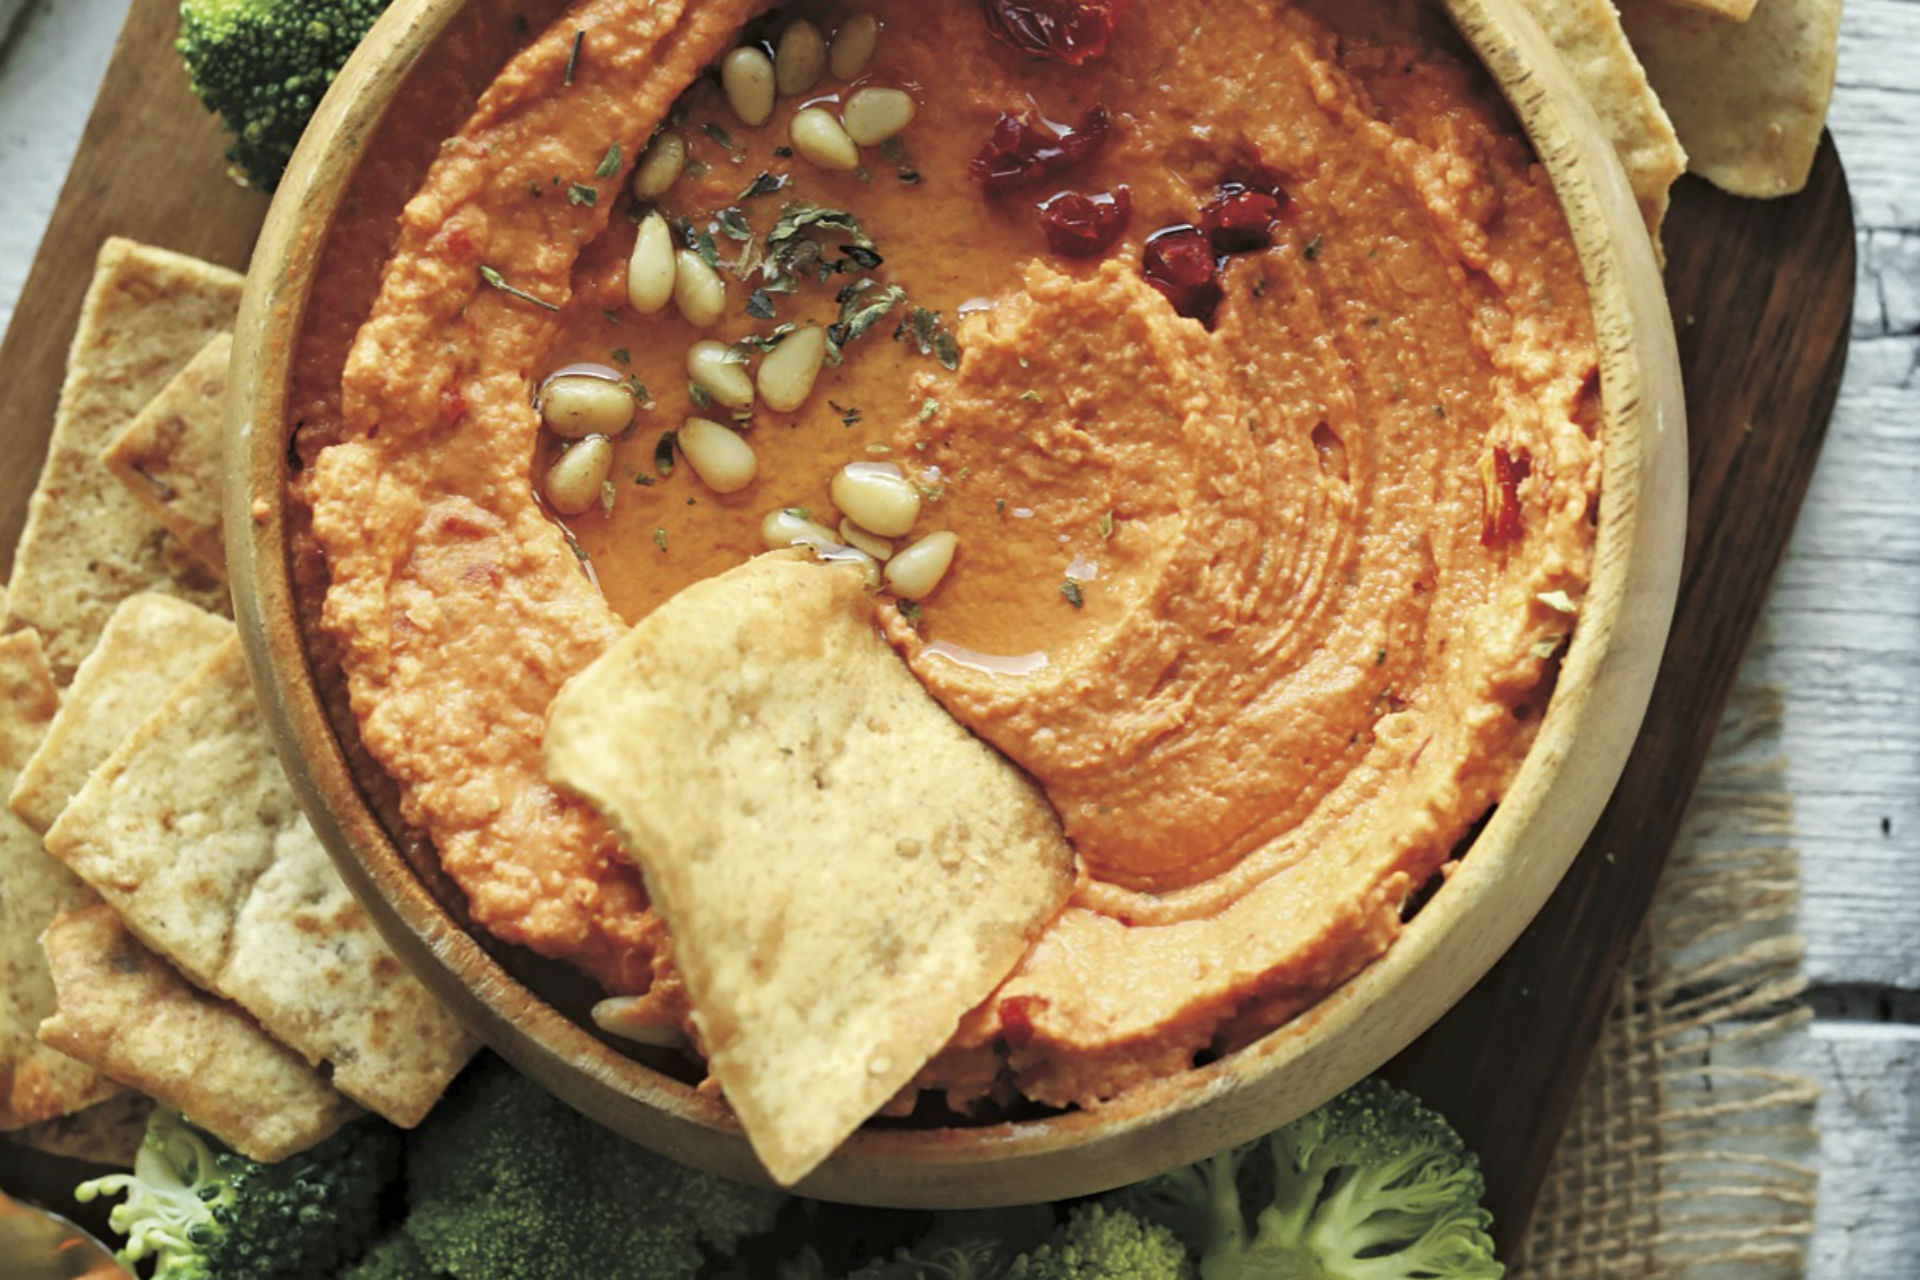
x: 1842, y: 631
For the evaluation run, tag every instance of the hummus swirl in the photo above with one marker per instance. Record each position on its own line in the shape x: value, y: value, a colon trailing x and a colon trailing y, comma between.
x: 1233, y: 594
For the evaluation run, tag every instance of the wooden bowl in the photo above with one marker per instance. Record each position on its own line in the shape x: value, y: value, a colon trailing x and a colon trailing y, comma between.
x: 1526, y: 845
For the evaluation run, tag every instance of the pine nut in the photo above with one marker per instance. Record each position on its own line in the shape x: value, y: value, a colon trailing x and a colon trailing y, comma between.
x: 786, y: 375
x: 722, y: 459
x: 698, y: 290
x: 574, y: 479
x: 853, y: 45
x: 869, y: 567
x: 917, y: 570
x: 787, y: 527
x: 575, y: 406
x: 746, y: 75
x: 660, y: 167
x: 799, y: 58
x: 819, y: 137
x: 875, y: 496
x: 650, y: 271
x: 872, y: 543
x: 717, y: 370
x: 873, y: 115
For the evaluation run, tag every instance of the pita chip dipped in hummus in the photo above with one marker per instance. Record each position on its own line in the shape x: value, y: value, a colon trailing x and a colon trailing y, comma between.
x: 858, y: 870
x: 1208, y: 398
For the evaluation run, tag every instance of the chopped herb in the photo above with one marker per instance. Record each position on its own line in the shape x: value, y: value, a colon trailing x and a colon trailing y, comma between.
x: 848, y: 416
x: 608, y: 494
x: 798, y: 513
x: 861, y: 307
x: 644, y: 480
x: 1380, y: 658
x: 735, y: 354
x: 573, y: 54
x: 639, y: 389
x: 1559, y: 601
x: 1106, y: 524
x: 610, y: 315
x: 663, y: 452
x: 581, y: 193
x: 861, y: 256
x: 698, y: 394
x: 533, y: 189
x: 784, y: 152
x: 708, y: 251
x: 696, y: 167
x: 764, y: 185
x: 573, y: 545
x: 660, y: 539
x: 928, y: 408
x: 784, y: 241
x: 910, y: 610
x: 1070, y: 588
x: 1311, y: 252
x: 766, y: 341
x: 946, y: 349
x: 759, y: 305
x: 620, y: 355
x: 1000, y: 506
x: 733, y: 225
x: 1031, y: 395
x: 895, y: 153
x: 499, y: 282
x: 1439, y: 411
x: 724, y: 138
x: 609, y: 163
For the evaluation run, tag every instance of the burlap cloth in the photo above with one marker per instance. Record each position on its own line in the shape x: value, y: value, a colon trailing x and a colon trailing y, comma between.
x: 1680, y: 1161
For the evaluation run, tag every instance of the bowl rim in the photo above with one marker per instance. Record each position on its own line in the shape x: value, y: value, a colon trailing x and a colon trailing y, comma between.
x: 1525, y: 847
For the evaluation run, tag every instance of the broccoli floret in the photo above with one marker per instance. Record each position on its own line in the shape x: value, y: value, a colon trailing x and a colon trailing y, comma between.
x: 263, y: 65
x: 1101, y: 1242
x: 508, y: 1183
x: 396, y: 1257
x: 1372, y: 1186
x: 202, y: 1212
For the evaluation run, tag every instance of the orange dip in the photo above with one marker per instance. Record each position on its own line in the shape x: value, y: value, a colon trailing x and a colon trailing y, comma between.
x: 1267, y: 607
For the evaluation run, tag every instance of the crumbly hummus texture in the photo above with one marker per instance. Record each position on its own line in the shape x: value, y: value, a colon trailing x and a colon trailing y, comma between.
x: 1266, y: 595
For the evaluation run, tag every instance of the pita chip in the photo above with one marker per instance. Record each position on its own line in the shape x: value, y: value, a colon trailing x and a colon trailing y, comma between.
x: 151, y: 643
x: 843, y: 868
x: 168, y: 457
x: 36, y: 1082
x: 107, y: 1132
x: 1749, y: 98
x: 126, y: 1011
x: 191, y: 831
x: 1589, y: 38
x: 87, y: 543
x: 1733, y: 10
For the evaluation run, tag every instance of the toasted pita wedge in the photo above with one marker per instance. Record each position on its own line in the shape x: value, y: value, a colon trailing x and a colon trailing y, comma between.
x: 126, y: 1011
x: 36, y: 1083
x: 1587, y: 33
x: 192, y: 832
x: 1749, y: 98
x: 169, y: 455
x: 107, y: 1132
x: 1733, y: 10
x: 88, y: 544
x: 151, y: 643
x: 844, y: 869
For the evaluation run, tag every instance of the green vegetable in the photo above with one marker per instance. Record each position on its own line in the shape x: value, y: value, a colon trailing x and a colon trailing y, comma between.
x: 396, y: 1257
x: 1372, y: 1186
x: 1100, y: 1242
x: 508, y: 1183
x: 263, y: 66
x: 202, y: 1212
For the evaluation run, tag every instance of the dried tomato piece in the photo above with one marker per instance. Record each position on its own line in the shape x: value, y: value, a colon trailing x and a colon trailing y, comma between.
x: 1240, y: 221
x: 1069, y: 31
x: 1080, y: 226
x: 1500, y: 476
x: 1179, y: 262
x: 1021, y: 152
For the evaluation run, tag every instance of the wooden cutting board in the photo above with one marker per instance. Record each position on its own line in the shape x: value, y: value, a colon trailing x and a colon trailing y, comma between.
x: 1762, y: 295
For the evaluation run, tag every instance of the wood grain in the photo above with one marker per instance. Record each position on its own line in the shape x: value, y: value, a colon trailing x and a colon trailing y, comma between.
x: 150, y: 167
x: 1762, y: 293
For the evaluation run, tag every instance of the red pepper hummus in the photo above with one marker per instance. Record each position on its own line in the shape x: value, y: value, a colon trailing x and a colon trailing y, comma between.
x: 1241, y: 351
